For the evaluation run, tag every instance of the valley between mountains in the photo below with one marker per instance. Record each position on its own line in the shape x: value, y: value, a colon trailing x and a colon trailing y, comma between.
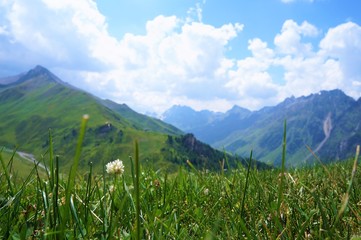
x: 33, y: 102
x: 327, y: 122
x: 37, y: 107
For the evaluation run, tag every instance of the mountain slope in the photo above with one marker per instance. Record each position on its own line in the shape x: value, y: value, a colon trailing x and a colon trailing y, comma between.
x: 325, y: 122
x: 140, y: 121
x: 345, y: 134
x: 306, y: 117
x: 186, y: 118
x: 39, y: 100
x: 208, y: 126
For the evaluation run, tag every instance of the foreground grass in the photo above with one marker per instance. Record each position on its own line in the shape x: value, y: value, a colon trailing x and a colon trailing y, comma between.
x: 191, y: 204
x: 323, y: 202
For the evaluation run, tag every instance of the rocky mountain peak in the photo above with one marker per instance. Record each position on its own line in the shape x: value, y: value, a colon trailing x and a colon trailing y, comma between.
x: 238, y: 110
x: 39, y: 71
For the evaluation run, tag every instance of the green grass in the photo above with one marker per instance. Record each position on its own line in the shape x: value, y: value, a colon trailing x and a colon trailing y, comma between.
x: 322, y: 202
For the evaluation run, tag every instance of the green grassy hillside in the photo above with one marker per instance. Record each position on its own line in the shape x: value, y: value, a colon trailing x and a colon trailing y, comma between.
x: 39, y: 101
x: 140, y: 121
x: 239, y: 130
x: 306, y: 118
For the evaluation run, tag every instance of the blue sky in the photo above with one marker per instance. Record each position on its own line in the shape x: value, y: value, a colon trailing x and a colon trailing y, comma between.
x: 152, y: 54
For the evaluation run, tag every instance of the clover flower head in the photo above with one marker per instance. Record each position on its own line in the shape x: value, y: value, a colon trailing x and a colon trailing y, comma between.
x: 115, y: 167
x: 206, y: 191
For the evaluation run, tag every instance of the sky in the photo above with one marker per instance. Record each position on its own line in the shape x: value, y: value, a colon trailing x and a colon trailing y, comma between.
x: 206, y: 54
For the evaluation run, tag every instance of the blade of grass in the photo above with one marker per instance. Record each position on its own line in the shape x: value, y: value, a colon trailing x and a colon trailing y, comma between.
x: 280, y: 189
x: 56, y: 193
x: 73, y: 170
x: 77, y: 220
x: 132, y: 168
x: 244, y: 229
x: 347, y: 194
x: 75, y: 165
x: 10, y: 164
x: 325, y: 226
x: 136, y: 185
x: 165, y: 189
x: 51, y: 158
x: 7, y: 175
x: 305, y: 224
x: 246, y: 184
x: 88, y: 193
x: 319, y: 160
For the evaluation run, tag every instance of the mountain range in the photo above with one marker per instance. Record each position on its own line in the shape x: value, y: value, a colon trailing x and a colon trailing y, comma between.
x: 31, y: 103
x: 325, y: 124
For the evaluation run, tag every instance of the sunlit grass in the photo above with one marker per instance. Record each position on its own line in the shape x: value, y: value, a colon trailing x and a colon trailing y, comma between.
x: 146, y: 203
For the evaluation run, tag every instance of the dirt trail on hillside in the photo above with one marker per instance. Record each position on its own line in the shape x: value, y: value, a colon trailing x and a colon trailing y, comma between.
x: 31, y: 158
x: 327, y: 128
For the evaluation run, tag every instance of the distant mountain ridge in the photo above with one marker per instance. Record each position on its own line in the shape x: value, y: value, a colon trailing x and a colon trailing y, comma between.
x: 186, y: 118
x: 328, y: 122
x: 36, y: 101
x: 141, y: 121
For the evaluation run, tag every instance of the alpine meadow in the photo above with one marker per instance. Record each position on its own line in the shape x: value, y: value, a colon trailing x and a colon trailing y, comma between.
x: 181, y: 120
x: 167, y: 185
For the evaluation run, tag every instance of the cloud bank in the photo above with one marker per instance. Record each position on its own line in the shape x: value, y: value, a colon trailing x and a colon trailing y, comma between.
x: 176, y: 61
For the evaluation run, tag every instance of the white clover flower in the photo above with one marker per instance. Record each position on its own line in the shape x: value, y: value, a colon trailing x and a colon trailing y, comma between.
x: 115, y: 167
x: 111, y: 188
x: 206, y: 191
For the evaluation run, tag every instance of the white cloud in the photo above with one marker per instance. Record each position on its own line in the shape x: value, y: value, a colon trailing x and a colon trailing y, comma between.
x: 260, y: 50
x: 180, y: 63
x: 335, y: 65
x: 343, y: 44
x: 304, y: 76
x: 289, y: 40
x: 53, y: 33
x: 176, y: 61
x: 173, y: 61
x: 250, y: 82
